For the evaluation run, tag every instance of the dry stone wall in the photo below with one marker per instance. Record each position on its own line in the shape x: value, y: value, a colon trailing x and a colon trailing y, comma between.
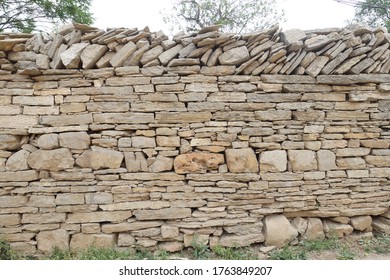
x: 127, y: 138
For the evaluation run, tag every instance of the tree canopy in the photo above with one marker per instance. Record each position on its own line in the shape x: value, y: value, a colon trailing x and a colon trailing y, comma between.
x: 236, y: 16
x: 29, y: 15
x: 374, y: 12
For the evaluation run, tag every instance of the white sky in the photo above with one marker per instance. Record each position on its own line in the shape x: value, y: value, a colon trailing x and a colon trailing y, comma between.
x: 302, y: 14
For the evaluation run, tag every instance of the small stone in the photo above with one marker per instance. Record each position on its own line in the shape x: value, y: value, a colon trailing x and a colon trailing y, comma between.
x: 381, y: 224
x: 361, y: 222
x: 241, y: 160
x: 171, y: 246
x: 326, y: 160
x: 135, y: 162
x: 48, y: 142
x: 18, y: 161
x: 161, y: 164
x: 315, y: 229
x: 123, y: 54
x: 333, y: 229
x: 48, y: 240
x: 10, y: 142
x: 92, y: 54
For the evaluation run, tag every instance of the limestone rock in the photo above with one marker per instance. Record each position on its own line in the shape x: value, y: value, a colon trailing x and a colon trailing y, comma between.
x: 278, y: 231
x: 361, y: 222
x: 197, y: 162
x: 10, y: 142
x: 273, y: 161
x: 168, y: 231
x: 241, y: 160
x: 315, y: 229
x: 125, y: 240
x: 232, y: 240
x: 234, y: 56
x: 18, y: 161
x: 381, y: 224
x: 81, y: 241
x: 300, y: 224
x: 135, y: 162
x: 123, y: 54
x: 19, y: 176
x: 161, y: 164
x: 163, y: 214
x: 169, y: 54
x: 171, y: 246
x: 48, y: 240
x: 326, y: 160
x: 74, y: 140
x: 71, y: 57
x: 333, y: 229
x: 48, y: 141
x: 92, y: 54
x: 51, y: 160
x: 292, y: 36
x: 302, y: 160
x: 100, y: 158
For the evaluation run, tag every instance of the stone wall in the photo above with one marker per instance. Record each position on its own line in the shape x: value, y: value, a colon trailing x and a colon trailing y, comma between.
x: 127, y: 138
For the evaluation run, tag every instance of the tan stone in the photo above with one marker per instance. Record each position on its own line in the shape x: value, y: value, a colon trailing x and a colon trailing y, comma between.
x: 19, y: 176
x: 125, y: 227
x: 135, y: 162
x: 92, y: 54
x: 71, y: 57
x: 80, y: 241
x: 18, y: 161
x: 381, y: 224
x: 51, y: 160
x: 333, y: 229
x: 143, y: 142
x: 48, y: 240
x: 197, y: 162
x: 241, y: 160
x: 45, y: 218
x: 10, y: 220
x: 274, y: 161
x: 315, y: 229
x: 228, y: 240
x: 302, y: 160
x: 351, y: 163
x: 100, y: 158
x: 97, y: 217
x: 48, y: 141
x: 326, y: 160
x: 378, y: 161
x: 168, y: 141
x: 125, y: 240
x: 235, y: 56
x: 361, y: 222
x: 163, y: 214
x: 10, y: 142
x: 278, y: 231
x: 168, y: 232
x: 123, y: 54
x: 171, y: 246
x: 69, y: 199
x: 74, y: 140
x: 161, y: 164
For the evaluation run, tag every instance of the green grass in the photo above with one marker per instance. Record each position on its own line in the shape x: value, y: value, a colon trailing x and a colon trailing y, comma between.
x: 379, y: 245
x: 6, y: 253
x: 288, y: 253
x: 227, y: 253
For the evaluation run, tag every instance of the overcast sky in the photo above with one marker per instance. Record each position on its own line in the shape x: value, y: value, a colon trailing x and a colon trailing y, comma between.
x: 302, y: 14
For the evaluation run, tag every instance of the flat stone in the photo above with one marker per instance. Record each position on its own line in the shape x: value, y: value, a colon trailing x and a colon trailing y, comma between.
x: 82, y: 241
x: 91, y: 55
x: 317, y: 65
x: 333, y: 229
x: 163, y: 214
x: 74, y: 140
x: 169, y: 54
x: 326, y: 160
x: 292, y: 36
x: 234, y: 241
x: 361, y: 222
x: 51, y: 160
x: 273, y: 161
x: 241, y: 160
x: 315, y: 229
x: 161, y: 164
x: 19, y: 176
x: 151, y: 54
x: 234, y: 56
x: 302, y: 160
x: 71, y: 57
x: 123, y: 54
x: 10, y: 142
x: 197, y: 162
x: 171, y: 246
x: 381, y: 224
x: 316, y: 42
x: 135, y: 162
x: 278, y: 231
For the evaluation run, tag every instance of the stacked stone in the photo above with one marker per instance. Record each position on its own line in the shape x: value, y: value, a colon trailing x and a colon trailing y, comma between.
x: 135, y: 156
x: 351, y: 50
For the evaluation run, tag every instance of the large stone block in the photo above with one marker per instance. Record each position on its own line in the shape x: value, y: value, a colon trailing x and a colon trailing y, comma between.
x: 197, y: 162
x: 51, y: 160
x: 241, y: 160
x: 18, y: 161
x: 315, y: 229
x: 278, y: 231
x: 48, y: 240
x: 302, y: 160
x: 274, y: 161
x: 326, y: 160
x: 74, y: 140
x: 100, y: 158
x: 161, y: 164
x: 234, y: 56
x: 82, y: 241
x: 48, y: 141
x: 10, y: 142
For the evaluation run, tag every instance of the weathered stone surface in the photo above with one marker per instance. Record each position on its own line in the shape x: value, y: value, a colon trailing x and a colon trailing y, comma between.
x: 273, y: 161
x: 163, y: 214
x: 234, y: 56
x: 71, y: 57
x: 48, y: 240
x: 197, y: 162
x: 19, y: 176
x: 51, y: 160
x: 18, y: 161
x: 10, y: 142
x: 82, y: 241
x: 326, y: 160
x: 315, y: 229
x: 161, y: 164
x: 278, y: 231
x: 381, y: 224
x: 229, y: 240
x: 48, y: 141
x: 292, y: 36
x: 96, y: 217
x: 123, y: 54
x: 168, y: 232
x: 333, y: 229
x: 92, y: 54
x: 361, y: 222
x: 100, y: 158
x: 143, y: 142
x: 169, y: 54
x: 302, y: 160
x: 241, y: 160
x: 135, y: 162
x: 171, y: 246
x: 74, y: 140
x: 125, y: 240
